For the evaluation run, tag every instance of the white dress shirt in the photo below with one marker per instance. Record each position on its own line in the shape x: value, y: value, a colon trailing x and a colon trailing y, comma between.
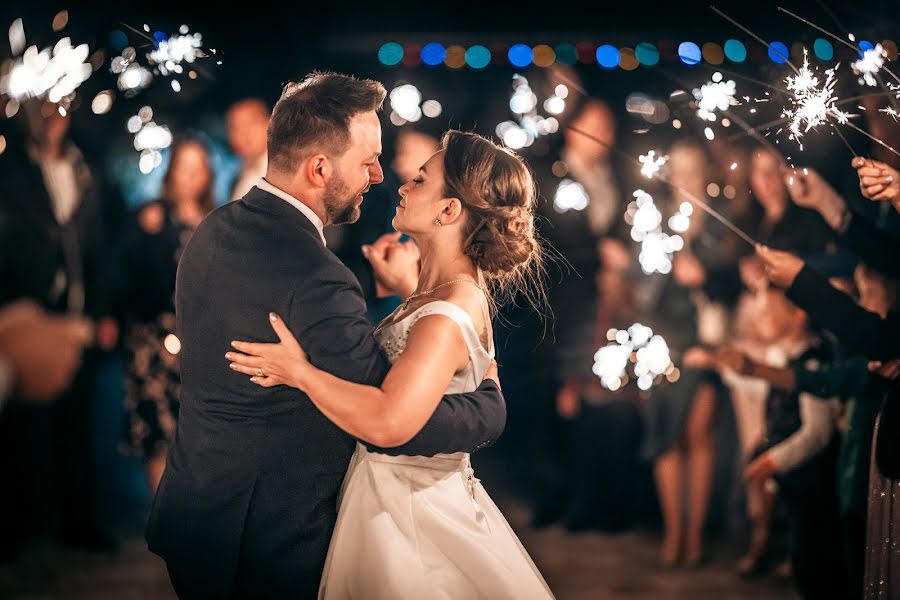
x: 248, y: 177
x: 307, y: 211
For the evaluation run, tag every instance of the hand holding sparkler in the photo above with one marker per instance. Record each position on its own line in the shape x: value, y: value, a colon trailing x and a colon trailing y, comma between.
x: 808, y: 189
x: 781, y: 267
x: 877, y: 181
x: 753, y: 273
x: 720, y: 359
x: 688, y: 271
x: 761, y: 469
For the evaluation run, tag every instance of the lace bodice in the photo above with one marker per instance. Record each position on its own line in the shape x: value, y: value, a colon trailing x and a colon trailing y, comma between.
x: 392, y: 339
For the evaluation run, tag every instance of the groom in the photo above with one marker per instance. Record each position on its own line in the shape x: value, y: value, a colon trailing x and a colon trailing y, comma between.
x: 247, y: 504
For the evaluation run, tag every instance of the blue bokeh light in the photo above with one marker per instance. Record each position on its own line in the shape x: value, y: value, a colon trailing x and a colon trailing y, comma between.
x: 433, y: 54
x: 520, y: 55
x: 689, y: 53
x: 608, y: 56
x: 778, y: 52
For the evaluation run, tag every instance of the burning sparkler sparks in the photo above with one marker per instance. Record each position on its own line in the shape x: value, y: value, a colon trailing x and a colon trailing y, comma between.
x: 648, y: 352
x: 570, y: 195
x: 651, y: 163
x: 171, y: 52
x: 53, y: 74
x: 149, y: 139
x: 715, y: 95
x: 811, y: 104
x: 868, y: 66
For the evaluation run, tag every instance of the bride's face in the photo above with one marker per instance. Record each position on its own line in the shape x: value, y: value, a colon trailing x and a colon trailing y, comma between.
x: 422, y: 198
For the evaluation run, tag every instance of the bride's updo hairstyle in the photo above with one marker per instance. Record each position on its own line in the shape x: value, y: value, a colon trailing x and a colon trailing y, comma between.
x: 498, y: 192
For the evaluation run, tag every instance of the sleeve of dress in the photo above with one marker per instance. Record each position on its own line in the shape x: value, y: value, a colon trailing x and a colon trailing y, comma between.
x: 873, y: 246
x: 817, y: 425
x: 860, y: 331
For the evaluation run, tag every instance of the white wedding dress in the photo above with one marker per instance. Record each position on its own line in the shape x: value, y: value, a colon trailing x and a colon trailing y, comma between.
x: 416, y: 527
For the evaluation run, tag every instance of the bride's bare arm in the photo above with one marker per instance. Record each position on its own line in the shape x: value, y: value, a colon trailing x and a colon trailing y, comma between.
x: 385, y: 416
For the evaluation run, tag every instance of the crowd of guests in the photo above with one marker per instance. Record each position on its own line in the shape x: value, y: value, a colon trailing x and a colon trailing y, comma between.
x: 794, y: 340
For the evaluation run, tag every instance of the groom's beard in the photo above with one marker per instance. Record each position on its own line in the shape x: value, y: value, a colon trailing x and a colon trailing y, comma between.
x: 339, y: 208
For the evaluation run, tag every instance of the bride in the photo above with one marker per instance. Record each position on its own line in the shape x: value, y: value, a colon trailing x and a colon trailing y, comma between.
x: 417, y: 526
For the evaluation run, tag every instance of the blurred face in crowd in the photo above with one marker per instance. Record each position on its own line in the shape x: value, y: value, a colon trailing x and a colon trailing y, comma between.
x: 247, y: 123
x: 687, y: 170
x: 422, y: 198
x: 190, y: 173
x: 356, y: 171
x: 766, y: 181
x: 413, y: 149
x: 596, y: 119
x: 54, y: 128
x: 778, y: 317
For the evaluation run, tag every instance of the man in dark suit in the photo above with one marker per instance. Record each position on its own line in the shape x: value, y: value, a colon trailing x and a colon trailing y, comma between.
x: 247, y: 504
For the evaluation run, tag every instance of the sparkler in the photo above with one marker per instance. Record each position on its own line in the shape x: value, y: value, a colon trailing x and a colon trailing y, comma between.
x: 835, y: 37
x: 149, y: 139
x: 570, y: 195
x: 638, y: 345
x: 692, y: 198
x: 170, y: 53
x: 530, y: 126
x: 657, y: 247
x: 651, y: 163
x: 811, y: 104
x: 868, y: 66
x: 713, y: 96
x: 53, y: 74
x: 890, y: 112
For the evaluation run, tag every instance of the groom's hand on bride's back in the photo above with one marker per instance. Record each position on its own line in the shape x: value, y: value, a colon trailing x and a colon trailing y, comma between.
x: 395, y: 264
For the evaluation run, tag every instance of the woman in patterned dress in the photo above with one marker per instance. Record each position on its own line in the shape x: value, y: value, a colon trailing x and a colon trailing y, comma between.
x: 160, y: 231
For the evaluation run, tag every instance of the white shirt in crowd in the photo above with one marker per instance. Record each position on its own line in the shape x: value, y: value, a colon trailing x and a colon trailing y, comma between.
x: 249, y: 175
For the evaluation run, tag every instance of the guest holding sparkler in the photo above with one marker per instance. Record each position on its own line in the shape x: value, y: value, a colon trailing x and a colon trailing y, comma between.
x: 798, y: 450
x: 53, y: 252
x: 679, y: 417
x: 869, y: 334
x: 153, y: 247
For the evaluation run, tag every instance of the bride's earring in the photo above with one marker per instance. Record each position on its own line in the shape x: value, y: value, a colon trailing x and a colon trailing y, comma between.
x: 438, y: 222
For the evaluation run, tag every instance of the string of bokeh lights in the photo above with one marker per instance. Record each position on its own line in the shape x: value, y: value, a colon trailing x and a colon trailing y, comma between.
x: 609, y: 56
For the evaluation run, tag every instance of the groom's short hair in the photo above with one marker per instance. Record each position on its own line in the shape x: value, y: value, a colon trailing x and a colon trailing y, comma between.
x: 313, y: 115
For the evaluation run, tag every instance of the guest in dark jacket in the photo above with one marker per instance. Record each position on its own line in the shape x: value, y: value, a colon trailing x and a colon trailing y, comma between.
x: 52, y: 251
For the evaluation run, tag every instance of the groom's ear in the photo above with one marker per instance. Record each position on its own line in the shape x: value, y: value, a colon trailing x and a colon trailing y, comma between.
x: 318, y: 170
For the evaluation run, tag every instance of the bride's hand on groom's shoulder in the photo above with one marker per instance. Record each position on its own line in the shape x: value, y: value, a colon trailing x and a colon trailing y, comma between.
x: 268, y: 365
x: 395, y: 265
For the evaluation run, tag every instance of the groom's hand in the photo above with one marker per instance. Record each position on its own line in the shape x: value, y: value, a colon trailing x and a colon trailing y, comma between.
x: 395, y: 264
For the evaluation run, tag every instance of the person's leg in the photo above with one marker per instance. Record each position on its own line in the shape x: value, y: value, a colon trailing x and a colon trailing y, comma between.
x: 669, y: 479
x: 73, y: 458
x: 153, y: 469
x: 761, y: 502
x: 699, y: 462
